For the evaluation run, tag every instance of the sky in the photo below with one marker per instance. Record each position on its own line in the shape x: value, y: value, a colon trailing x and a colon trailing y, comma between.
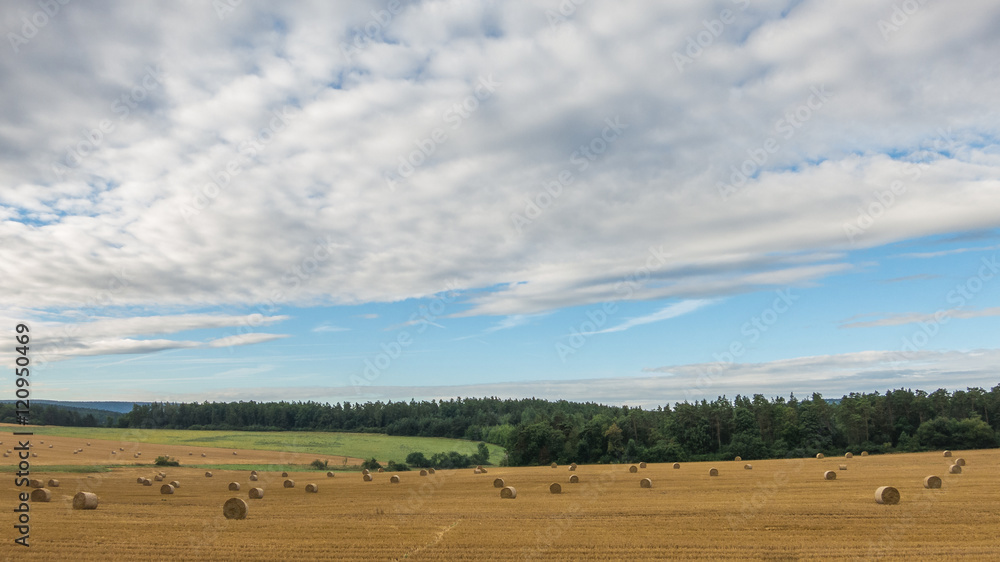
x: 631, y: 203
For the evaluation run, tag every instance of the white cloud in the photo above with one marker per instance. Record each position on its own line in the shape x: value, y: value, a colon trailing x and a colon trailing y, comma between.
x: 666, y: 313
x: 324, y: 328
x: 938, y: 317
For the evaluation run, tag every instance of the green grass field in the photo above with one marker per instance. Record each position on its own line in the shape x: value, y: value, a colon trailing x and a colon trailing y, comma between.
x: 360, y: 445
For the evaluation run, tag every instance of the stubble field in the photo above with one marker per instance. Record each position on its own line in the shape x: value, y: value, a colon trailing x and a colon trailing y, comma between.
x: 780, y: 509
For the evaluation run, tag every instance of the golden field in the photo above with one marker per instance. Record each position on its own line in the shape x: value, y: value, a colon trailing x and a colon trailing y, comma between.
x: 779, y: 510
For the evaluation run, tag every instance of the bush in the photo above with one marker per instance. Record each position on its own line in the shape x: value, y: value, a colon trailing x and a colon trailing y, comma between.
x: 394, y: 466
x: 371, y: 464
x: 418, y: 460
x: 319, y: 465
x: 166, y: 461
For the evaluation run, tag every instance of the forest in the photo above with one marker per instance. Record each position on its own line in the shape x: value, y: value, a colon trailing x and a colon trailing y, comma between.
x: 536, y: 431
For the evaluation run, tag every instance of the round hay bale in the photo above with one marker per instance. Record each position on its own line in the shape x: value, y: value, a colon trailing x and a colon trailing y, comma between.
x: 555, y: 488
x: 190, y: 454
x: 394, y: 479
x: 645, y: 483
x: 864, y: 453
x: 234, y: 453
x: 848, y: 455
x: 284, y: 475
x: 175, y: 484
x: 329, y: 474
x: 430, y: 470
x: 208, y: 475
x: 498, y: 483
x: 159, y: 478
x: 932, y: 482
x: 204, y: 455
x: 235, y: 508
x: 887, y: 495
x: 147, y: 482
x: 381, y: 470
x: 423, y: 472
x: 477, y: 471
x: 554, y: 465
x: 572, y: 467
x: 842, y: 467
x: 367, y: 477
x: 43, y: 442
x: 36, y: 454
x: 954, y: 469
x: 642, y: 465
x: 253, y: 473
x: 738, y: 458
x: 139, y: 480
x: 830, y: 475
x: 574, y: 479
x: 50, y: 446
x: 482, y: 471
x: 508, y: 493
x: 166, y: 489
x: 256, y: 493
x: 748, y: 467
x: 135, y: 456
x: 312, y: 488
x: 253, y: 478
x: 41, y: 495
x: 53, y: 483
x: 677, y: 465
x: 819, y: 456
x: 234, y: 486
x: 36, y: 483
x: 947, y: 453
x: 88, y: 444
x: 289, y: 483
x: 633, y: 469
x: 960, y: 461
x: 119, y: 448
x: 85, y: 500
x: 366, y: 471
x: 713, y: 472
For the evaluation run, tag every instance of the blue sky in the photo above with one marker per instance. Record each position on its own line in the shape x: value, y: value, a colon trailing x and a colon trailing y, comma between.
x: 632, y: 205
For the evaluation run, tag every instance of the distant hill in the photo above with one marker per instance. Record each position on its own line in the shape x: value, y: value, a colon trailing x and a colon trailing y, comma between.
x: 102, y: 408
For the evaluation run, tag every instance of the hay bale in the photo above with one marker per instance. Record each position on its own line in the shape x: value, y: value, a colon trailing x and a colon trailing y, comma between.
x: 887, y: 495
x: 738, y: 458
x: 498, y: 483
x: 329, y: 474
x: 477, y: 471
x: 88, y: 444
x: 285, y: 474
x: 253, y: 478
x: 555, y: 488
x: 381, y: 470
x: 642, y: 465
x: 423, y: 472
x: 554, y: 465
x: 175, y: 484
x: 235, y: 508
x: 166, y: 489
x: 713, y: 472
x: 36, y: 483
x: 135, y: 456
x: 932, y: 482
x: 119, y: 448
x: 159, y: 478
x: 366, y: 471
x: 960, y: 461
x: 204, y: 455
x: 394, y: 479
x: 830, y: 475
x: 677, y: 465
x: 234, y: 453
x: 190, y: 454
x: 139, y: 480
x: 53, y: 483
x: 748, y: 467
x: 147, y: 482
x: 312, y: 488
x: 572, y: 467
x: 819, y: 455
x: 954, y: 469
x: 574, y: 479
x: 289, y: 483
x: 645, y: 483
x: 367, y: 477
x: 36, y: 454
x: 85, y: 500
x: 253, y: 473
x: 208, y: 475
x: 41, y: 495
x: 256, y: 493
x: 430, y: 470
x: 633, y: 469
x: 848, y: 455
x: 508, y: 493
x: 864, y: 453
x: 482, y: 471
x: 842, y: 467
x: 50, y: 446
x: 234, y: 486
x: 947, y: 453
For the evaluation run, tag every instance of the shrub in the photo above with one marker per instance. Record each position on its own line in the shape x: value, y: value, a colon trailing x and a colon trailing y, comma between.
x: 371, y: 464
x: 319, y: 465
x: 166, y: 461
x: 394, y: 466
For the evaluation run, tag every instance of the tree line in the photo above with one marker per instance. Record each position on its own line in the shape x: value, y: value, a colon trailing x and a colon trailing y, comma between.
x: 535, y: 431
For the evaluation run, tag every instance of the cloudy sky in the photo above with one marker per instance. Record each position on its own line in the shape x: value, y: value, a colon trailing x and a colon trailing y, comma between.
x: 626, y: 202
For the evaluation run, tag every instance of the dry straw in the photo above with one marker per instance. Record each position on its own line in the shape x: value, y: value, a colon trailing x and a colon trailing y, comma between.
x: 947, y: 453
x: 253, y: 473
x: 477, y: 471
x: 713, y: 472
x: 365, y: 471
x: 329, y: 474
x: 394, y: 479
x: 147, y: 482
x: 498, y: 483
x: 234, y: 486
x: 85, y: 500
x: 253, y: 478
x: 508, y: 493
x: 887, y: 495
x: 139, y: 480
x: 842, y: 467
x: 256, y: 493
x: 289, y: 483
x: 175, y: 484
x: 849, y: 455
x: 423, y: 472
x: 645, y: 483
x: 555, y: 488
x: 166, y: 489
x: 864, y: 453
x: 642, y: 465
x: 677, y: 465
x: 554, y: 465
x: 381, y: 470
x: 955, y: 469
x: 285, y: 474
x: 312, y: 488
x: 208, y: 475
x: 819, y: 455
x: 41, y: 495
x: 204, y: 455
x: 235, y: 508
x: 482, y: 471
x: 572, y: 466
x: 748, y: 466
x: 430, y: 470
x: 830, y: 475
x: 36, y: 483
x: 932, y: 482
x: 574, y: 479
x: 960, y: 461
x: 738, y: 458
x: 633, y: 469
x: 159, y: 477
x: 367, y: 477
